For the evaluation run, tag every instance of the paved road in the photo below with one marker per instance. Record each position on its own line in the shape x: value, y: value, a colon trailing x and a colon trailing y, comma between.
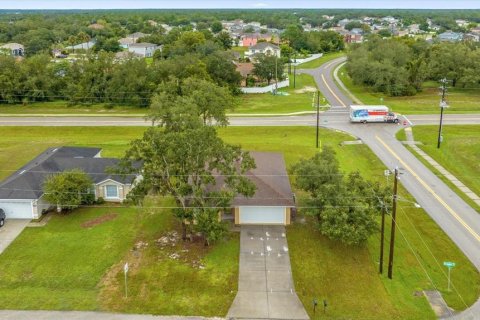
x: 265, y: 285
x: 459, y: 221
x: 305, y: 120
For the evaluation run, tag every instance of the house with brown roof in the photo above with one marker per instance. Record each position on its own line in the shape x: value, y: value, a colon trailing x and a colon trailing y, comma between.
x: 273, y: 200
x: 245, y: 69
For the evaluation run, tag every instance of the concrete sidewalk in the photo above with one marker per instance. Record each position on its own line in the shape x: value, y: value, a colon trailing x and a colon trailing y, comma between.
x: 265, y: 285
x: 472, y: 195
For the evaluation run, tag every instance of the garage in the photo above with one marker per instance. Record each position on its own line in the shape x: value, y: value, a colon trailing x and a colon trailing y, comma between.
x: 262, y: 215
x: 17, y: 209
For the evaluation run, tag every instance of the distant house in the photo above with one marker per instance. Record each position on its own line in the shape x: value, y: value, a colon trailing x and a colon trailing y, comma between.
x: 82, y: 46
x: 472, y: 37
x: 450, y: 36
x: 245, y: 69
x: 475, y: 30
x: 414, y: 29
x: 266, y: 48
x: 342, y: 23
x: 21, y: 195
x: 146, y: 50
x: 14, y: 49
x: 131, y: 39
x: 251, y: 39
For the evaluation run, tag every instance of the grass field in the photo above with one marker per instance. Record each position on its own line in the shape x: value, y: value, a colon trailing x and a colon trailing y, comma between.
x: 299, y: 99
x: 425, y: 102
x: 318, y: 62
x: 62, y: 107
x: 345, y: 276
x: 459, y: 152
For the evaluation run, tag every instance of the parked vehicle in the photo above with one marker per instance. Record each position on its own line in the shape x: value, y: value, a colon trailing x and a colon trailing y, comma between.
x: 366, y: 114
x: 2, y: 217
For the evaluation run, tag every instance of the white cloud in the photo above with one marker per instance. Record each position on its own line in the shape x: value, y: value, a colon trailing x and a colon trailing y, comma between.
x: 260, y: 5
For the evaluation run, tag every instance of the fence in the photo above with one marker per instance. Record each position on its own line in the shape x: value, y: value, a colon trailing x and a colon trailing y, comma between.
x: 312, y: 57
x: 270, y: 88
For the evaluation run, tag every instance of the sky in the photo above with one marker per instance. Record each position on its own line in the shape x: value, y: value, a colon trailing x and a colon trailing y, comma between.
x: 249, y: 4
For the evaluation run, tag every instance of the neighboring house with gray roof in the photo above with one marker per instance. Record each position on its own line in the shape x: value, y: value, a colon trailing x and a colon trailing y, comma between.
x: 266, y: 48
x: 146, y: 50
x: 450, y: 36
x: 273, y: 201
x: 21, y: 194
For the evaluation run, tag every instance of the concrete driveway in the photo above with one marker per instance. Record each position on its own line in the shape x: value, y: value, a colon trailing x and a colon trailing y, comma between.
x: 11, y: 230
x: 265, y: 286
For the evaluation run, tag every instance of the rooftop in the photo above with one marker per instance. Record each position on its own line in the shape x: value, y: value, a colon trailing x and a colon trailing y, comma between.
x: 27, y: 182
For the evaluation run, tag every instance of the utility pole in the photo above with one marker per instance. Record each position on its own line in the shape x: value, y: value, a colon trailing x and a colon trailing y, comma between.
x: 443, y: 105
x: 318, y: 115
x: 394, y: 222
x: 294, y: 69
x: 382, y: 239
x: 276, y: 73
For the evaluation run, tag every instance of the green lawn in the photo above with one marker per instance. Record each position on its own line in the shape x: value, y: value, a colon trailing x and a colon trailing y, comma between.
x: 62, y: 107
x: 425, y: 102
x: 299, y: 99
x: 459, y: 152
x: 323, y: 59
x: 345, y: 276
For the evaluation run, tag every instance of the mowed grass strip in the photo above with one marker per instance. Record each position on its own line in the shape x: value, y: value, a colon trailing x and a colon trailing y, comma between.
x: 62, y: 107
x: 346, y: 276
x: 425, y: 102
x: 459, y: 152
x: 299, y: 99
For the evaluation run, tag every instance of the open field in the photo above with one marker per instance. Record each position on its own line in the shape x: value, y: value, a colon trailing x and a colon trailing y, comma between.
x: 459, y: 153
x: 299, y: 99
x: 62, y: 107
x: 425, y: 102
x: 346, y: 276
x: 318, y: 62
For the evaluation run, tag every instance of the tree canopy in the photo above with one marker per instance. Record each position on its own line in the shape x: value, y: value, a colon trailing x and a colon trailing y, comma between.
x: 69, y: 189
x: 345, y: 206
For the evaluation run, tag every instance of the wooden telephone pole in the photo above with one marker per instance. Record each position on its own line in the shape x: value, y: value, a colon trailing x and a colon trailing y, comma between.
x: 394, y: 222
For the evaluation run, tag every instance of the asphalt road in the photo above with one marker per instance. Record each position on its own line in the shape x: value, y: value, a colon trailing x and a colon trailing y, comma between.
x: 335, y: 115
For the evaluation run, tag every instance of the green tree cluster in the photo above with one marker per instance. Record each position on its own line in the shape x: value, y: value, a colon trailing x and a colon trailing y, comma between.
x: 399, y: 67
x: 69, y: 189
x: 313, y: 42
x: 344, y: 205
x: 184, y: 159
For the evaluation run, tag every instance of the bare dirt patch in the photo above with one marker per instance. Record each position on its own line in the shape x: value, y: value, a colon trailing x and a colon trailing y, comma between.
x: 99, y: 220
x: 306, y: 89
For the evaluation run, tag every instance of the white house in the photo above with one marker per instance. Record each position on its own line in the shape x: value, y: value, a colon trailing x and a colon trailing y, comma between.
x: 266, y: 48
x: 146, y: 50
x: 21, y: 195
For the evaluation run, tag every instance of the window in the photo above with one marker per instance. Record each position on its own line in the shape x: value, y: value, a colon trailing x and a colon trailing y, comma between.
x: 111, y: 191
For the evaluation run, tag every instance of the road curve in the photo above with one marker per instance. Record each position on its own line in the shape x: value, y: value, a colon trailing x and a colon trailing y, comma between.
x: 456, y: 218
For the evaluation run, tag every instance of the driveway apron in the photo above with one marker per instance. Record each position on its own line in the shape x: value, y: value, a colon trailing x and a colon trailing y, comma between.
x: 265, y: 286
x: 11, y: 230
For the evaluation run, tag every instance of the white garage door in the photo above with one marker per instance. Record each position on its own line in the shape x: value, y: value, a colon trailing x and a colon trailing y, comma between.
x: 17, y: 209
x: 262, y: 215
